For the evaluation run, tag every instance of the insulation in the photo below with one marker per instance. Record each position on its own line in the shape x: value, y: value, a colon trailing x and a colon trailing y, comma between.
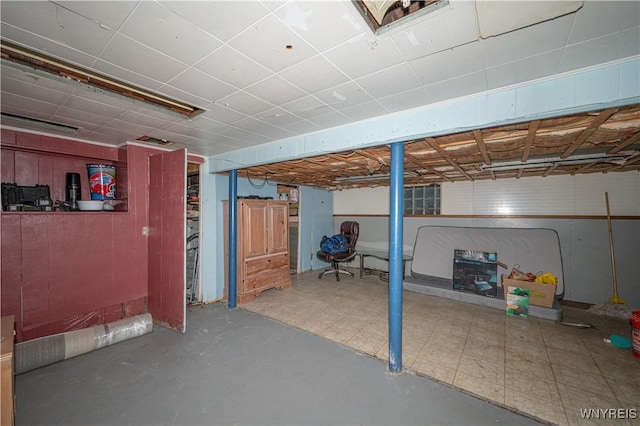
x: 47, y: 350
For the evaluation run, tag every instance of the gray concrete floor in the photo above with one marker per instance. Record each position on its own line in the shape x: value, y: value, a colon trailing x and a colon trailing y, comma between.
x: 238, y: 367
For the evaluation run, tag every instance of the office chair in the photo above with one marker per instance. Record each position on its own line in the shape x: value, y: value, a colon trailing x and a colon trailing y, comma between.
x: 351, y: 231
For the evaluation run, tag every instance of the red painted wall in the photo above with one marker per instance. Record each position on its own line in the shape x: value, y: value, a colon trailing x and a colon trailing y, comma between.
x: 63, y: 271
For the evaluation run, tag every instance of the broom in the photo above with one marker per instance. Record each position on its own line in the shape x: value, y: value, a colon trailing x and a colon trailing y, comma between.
x: 614, y: 307
x: 615, y: 299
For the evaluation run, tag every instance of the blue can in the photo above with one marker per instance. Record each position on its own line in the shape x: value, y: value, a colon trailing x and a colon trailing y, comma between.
x: 102, y: 181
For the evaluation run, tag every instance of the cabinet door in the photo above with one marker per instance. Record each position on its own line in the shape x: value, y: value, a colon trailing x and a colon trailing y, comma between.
x: 278, y: 228
x: 254, y: 233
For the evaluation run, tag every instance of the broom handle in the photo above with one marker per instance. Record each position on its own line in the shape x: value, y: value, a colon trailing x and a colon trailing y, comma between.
x: 613, y: 258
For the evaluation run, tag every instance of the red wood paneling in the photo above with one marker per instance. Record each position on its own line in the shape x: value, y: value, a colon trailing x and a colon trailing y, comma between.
x: 8, y: 166
x: 68, y: 270
x: 8, y: 137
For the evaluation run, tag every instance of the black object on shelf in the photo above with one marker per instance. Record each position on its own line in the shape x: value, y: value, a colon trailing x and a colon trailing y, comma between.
x: 72, y: 194
x: 16, y: 198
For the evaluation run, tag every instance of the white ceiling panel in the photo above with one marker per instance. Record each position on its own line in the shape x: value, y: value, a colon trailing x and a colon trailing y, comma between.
x: 307, y: 107
x: 601, y: 50
x: 201, y: 84
x: 406, y: 100
x: 137, y: 57
x: 531, y: 41
x: 266, y: 43
x: 523, y: 70
x: 122, y: 74
x: 245, y: 103
x: 445, y: 28
x: 324, y: 73
x: 364, y: 111
x: 344, y: 96
x: 109, y: 13
x: 599, y: 18
x: 57, y: 24
x: 159, y: 28
x: 276, y: 89
x: 449, y: 64
x: 396, y: 79
x: 40, y: 44
x: 365, y: 55
x: 310, y: 19
x: 222, y: 19
x: 231, y: 59
x: 457, y: 87
x: 231, y: 67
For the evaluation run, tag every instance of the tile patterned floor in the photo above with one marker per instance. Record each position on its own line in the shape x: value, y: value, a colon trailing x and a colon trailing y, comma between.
x: 531, y: 365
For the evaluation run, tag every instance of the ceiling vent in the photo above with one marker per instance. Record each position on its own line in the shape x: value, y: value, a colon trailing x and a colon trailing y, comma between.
x: 32, y: 59
x: 155, y: 141
x: 380, y: 14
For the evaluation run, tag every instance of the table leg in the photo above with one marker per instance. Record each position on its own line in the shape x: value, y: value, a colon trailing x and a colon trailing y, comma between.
x: 361, y: 264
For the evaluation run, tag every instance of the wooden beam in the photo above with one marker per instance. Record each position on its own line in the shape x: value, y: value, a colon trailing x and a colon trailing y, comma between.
x: 549, y: 170
x: 597, y: 122
x: 625, y: 143
x: 531, y: 135
x: 432, y: 142
x: 477, y: 134
x: 415, y: 160
x: 519, y: 175
x: 583, y: 168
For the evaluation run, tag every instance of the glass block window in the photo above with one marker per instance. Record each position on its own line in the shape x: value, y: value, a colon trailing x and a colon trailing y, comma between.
x: 422, y: 200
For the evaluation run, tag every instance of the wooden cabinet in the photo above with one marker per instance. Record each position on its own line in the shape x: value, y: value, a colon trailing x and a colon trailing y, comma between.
x: 263, y: 247
x: 8, y: 401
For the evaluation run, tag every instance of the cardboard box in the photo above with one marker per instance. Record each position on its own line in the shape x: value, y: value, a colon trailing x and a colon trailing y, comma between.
x: 475, y: 272
x: 539, y: 294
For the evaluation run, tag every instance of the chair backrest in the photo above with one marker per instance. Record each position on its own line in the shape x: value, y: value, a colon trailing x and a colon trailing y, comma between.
x: 351, y: 230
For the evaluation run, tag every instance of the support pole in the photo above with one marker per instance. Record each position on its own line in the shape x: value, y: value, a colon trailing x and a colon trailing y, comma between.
x: 395, y: 257
x: 233, y: 237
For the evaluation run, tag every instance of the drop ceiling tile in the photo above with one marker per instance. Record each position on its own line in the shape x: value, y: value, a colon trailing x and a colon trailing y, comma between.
x: 221, y: 114
x: 203, y: 122
x: 273, y: 4
x: 89, y: 106
x: 15, y: 82
x: 134, y: 129
x: 599, y: 18
x: 72, y: 114
x: 406, y: 100
x: 238, y: 135
x: 307, y: 107
x: 604, y: 49
x: 94, y: 95
x: 364, y: 111
x: 277, y: 117
x: 58, y: 24
x: 399, y: 78
x: 449, y: 64
x: 159, y: 28
x: 202, y: 85
x: 136, y: 57
x: 183, y: 96
x: 128, y: 76
x: 232, y: 67
x: 141, y: 119
x: 181, y: 129
x: 310, y: 20
x: 260, y: 127
x: 365, y: 55
x: 331, y: 119
x: 109, y: 13
x: 245, y: 103
x: 523, y: 70
x: 314, y: 74
x: 266, y: 43
x: 344, y: 96
x: 301, y: 127
x: 457, y: 87
x: 433, y: 33
x: 51, y: 48
x: 222, y: 19
x: 526, y: 42
x: 43, y: 109
x: 275, y: 90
